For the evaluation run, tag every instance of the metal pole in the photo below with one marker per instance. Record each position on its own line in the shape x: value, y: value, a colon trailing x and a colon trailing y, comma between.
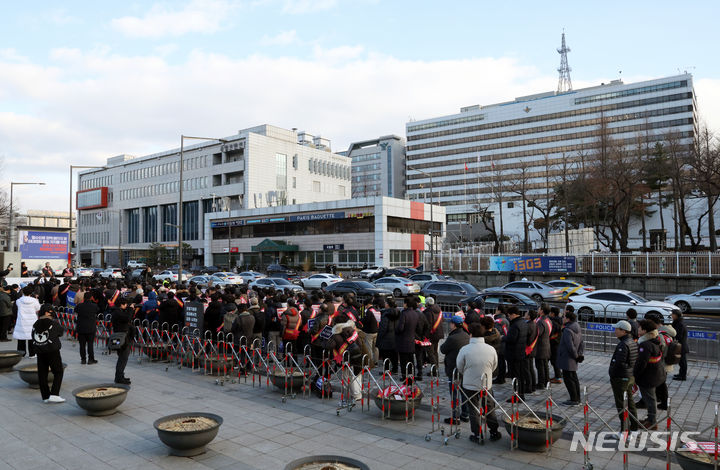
x: 119, y: 213
x: 229, y: 236
x: 180, y: 214
x: 432, y: 228
x: 69, y: 257
x: 10, y: 229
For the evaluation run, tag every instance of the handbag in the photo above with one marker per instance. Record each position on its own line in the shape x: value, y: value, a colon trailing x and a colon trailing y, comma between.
x: 117, y: 340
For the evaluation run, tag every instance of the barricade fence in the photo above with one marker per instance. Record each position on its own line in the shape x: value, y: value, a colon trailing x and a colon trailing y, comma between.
x: 705, y: 264
x: 249, y: 361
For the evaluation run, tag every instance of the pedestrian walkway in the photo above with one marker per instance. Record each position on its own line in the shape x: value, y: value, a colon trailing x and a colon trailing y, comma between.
x: 262, y: 432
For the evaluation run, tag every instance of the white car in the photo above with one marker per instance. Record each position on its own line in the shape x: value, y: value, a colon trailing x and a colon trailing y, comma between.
x: 169, y: 275
x: 319, y: 281
x: 399, y: 286
x: 230, y: 278
x: 115, y: 273
x: 277, y: 283
x: 366, y: 273
x: 613, y: 305
x: 250, y: 276
x: 135, y: 264
x: 206, y: 279
x: 84, y: 272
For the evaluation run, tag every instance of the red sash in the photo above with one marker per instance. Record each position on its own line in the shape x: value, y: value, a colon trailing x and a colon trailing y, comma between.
x: 436, y: 324
x: 655, y: 360
x: 293, y: 333
x: 502, y: 325
x: 114, y: 298
x: 339, y: 355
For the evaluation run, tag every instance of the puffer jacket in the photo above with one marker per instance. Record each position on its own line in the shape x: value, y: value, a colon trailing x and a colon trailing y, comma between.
x: 345, y: 343
x: 291, y: 321
x: 386, y: 329
x: 28, y: 307
x: 571, y: 347
x: 669, y: 334
x: 649, y: 370
x: 451, y: 347
x: 493, y: 338
x: 243, y: 326
x: 624, y: 358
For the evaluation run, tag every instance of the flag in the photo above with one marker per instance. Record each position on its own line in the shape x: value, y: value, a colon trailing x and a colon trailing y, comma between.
x: 465, y: 166
x: 492, y: 164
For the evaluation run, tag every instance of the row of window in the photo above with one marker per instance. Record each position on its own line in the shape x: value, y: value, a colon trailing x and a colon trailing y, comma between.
x: 559, y: 115
x: 536, y: 141
x: 446, y: 122
x: 151, y: 190
x: 98, y: 182
x: 368, y: 167
x: 404, y: 257
x: 325, y: 168
x: 163, y: 169
x: 365, y: 158
x: 285, y: 229
x: 95, y: 238
x: 555, y: 127
x: 96, y: 218
x: 631, y: 92
x: 373, y: 177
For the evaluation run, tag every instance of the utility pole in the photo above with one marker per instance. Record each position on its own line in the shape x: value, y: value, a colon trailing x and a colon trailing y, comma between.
x: 564, y: 83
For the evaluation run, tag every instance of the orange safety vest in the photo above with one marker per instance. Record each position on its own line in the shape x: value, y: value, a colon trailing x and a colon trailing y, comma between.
x: 293, y: 333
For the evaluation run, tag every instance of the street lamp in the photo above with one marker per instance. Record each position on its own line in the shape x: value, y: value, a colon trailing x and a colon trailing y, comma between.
x: 70, y: 216
x: 432, y: 220
x: 180, y: 205
x: 10, y: 239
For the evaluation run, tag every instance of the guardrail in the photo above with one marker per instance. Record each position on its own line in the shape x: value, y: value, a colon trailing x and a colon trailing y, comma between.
x: 706, y: 264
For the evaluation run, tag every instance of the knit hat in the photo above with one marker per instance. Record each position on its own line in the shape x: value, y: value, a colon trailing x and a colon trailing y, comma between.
x: 253, y: 301
x: 230, y: 307
x: 429, y: 301
x: 457, y: 319
x: 622, y: 325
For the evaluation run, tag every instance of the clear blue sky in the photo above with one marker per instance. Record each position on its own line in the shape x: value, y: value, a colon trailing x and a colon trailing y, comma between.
x: 84, y: 80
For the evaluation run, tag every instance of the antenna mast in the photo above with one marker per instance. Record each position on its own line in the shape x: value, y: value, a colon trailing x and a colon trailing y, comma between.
x: 564, y: 83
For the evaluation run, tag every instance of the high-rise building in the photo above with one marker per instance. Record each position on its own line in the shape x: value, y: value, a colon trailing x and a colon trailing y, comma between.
x: 474, y: 156
x: 378, y: 167
x: 133, y: 202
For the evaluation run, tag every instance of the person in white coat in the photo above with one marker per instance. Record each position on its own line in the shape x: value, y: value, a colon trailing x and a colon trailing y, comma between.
x: 476, y: 362
x: 27, y: 309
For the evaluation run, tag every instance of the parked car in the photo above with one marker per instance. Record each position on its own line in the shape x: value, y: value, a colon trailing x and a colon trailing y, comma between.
x: 359, y: 288
x: 278, y: 283
x: 319, y: 281
x: 282, y: 271
x: 613, y: 305
x: 399, y: 286
x: 230, y: 278
x: 135, y: 264
x: 169, y: 275
x: 537, y: 290
x: 250, y: 276
x: 570, y: 287
x: 491, y: 300
x: 448, y: 292
x: 84, y: 272
x: 423, y: 278
x: 366, y: 273
x: 705, y: 300
x: 205, y: 280
x: 208, y: 270
x: 137, y: 274
x: 114, y: 273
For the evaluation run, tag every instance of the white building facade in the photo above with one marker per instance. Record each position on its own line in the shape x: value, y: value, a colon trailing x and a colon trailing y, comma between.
x: 472, y: 154
x: 377, y: 231
x: 258, y: 167
x: 378, y: 167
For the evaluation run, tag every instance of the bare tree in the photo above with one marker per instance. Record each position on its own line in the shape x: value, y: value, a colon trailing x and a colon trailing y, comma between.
x: 705, y: 176
x: 520, y: 185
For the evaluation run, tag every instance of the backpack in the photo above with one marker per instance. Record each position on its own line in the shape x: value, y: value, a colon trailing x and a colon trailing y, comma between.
x: 228, y: 320
x: 673, y: 350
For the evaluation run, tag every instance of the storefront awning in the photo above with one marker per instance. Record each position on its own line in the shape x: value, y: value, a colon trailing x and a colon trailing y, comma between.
x: 274, y: 245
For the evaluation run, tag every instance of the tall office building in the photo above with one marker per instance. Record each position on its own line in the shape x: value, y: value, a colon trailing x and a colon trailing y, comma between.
x: 378, y: 167
x: 474, y: 156
x: 133, y: 202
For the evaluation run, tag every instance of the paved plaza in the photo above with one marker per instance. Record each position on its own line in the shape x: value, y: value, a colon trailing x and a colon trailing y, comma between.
x: 262, y: 432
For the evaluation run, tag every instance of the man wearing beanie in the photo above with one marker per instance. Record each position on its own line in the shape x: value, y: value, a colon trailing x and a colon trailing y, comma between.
x: 621, y: 373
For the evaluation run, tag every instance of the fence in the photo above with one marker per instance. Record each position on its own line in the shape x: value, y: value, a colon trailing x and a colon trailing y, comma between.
x: 657, y: 264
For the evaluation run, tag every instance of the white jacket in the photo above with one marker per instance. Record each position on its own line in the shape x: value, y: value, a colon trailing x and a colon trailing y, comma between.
x: 475, y: 360
x: 28, y: 307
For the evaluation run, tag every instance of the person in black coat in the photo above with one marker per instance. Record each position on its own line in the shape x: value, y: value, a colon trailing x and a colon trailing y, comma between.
x: 386, y: 335
x: 542, y: 348
x: 213, y: 317
x: 121, y: 317
x: 259, y: 325
x: 681, y: 336
x: 531, y: 350
x: 457, y: 338
x: 170, y: 312
x: 405, y: 332
x: 621, y: 373
x: 649, y: 369
x: 515, y: 343
x: 632, y: 319
x: 555, y: 334
x: 434, y: 316
x: 85, y: 324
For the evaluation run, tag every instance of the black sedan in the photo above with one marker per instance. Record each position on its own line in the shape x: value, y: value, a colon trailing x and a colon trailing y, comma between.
x: 491, y: 300
x: 448, y: 292
x: 359, y: 288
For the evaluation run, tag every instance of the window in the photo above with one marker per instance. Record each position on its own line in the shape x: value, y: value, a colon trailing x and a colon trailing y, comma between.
x: 149, y: 224
x: 191, y: 224
x: 294, y: 182
x: 133, y: 225
x: 281, y: 171
x: 169, y: 216
x: 316, y: 186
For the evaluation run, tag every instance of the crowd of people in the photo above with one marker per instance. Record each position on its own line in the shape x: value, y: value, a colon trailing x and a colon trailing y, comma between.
x: 481, y: 349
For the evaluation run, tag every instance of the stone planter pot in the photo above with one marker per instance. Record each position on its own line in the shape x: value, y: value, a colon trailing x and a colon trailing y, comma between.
x: 687, y: 462
x: 531, y: 439
x: 101, y: 405
x: 326, y: 462
x: 28, y: 373
x: 294, y: 382
x: 8, y: 360
x: 187, y: 443
x: 395, y: 409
